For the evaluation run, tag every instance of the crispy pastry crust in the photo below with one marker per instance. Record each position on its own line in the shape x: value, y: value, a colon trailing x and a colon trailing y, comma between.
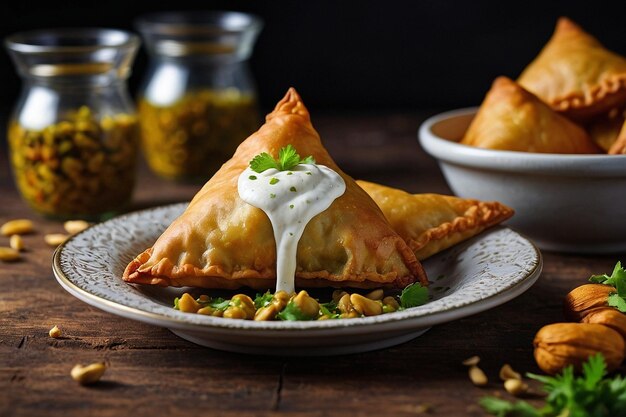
x: 430, y: 223
x: 513, y: 119
x: 222, y: 242
x: 576, y: 75
x: 619, y: 147
x: 604, y: 130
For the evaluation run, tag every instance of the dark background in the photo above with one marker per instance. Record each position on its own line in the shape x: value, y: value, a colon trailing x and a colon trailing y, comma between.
x: 351, y: 56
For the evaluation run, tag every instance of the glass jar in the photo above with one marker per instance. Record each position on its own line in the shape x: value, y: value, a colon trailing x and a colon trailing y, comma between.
x: 198, y: 100
x: 74, y: 133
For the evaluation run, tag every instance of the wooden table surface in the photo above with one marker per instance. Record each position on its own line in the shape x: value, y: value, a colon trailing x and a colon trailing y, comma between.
x: 154, y: 373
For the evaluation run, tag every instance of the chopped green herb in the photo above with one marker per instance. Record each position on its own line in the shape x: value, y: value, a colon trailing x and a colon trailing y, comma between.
x: 291, y: 206
x: 329, y: 309
x: 272, y: 195
x: 290, y: 234
x: 274, y: 181
x: 293, y: 313
x: 176, y: 303
x: 309, y: 173
x: 293, y: 189
x: 219, y: 303
x: 262, y: 300
x: 252, y: 177
x: 287, y: 159
x: 618, y: 273
x: 290, y: 173
x: 413, y: 295
x: 617, y: 280
x: 589, y: 395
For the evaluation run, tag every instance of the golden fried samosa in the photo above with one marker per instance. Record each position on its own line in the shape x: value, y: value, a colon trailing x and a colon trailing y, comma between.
x: 430, y: 223
x: 619, y: 147
x: 220, y: 241
x: 513, y: 119
x: 576, y: 75
x: 605, y: 129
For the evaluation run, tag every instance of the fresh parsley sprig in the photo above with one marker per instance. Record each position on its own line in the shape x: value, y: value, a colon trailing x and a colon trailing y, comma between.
x: 413, y: 295
x: 589, y: 395
x: 293, y: 313
x: 263, y: 300
x: 288, y: 158
x: 617, y: 279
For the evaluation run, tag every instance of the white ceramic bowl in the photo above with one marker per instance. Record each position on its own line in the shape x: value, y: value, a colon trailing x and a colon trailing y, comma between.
x: 568, y: 203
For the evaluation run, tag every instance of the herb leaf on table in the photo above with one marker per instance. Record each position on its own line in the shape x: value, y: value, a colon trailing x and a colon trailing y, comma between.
x: 588, y: 395
x: 617, y: 279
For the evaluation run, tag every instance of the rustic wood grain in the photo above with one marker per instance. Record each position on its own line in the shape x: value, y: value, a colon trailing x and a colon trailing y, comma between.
x: 153, y: 373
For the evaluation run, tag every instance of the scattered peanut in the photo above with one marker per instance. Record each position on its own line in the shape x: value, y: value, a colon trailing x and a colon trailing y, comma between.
x: 338, y: 294
x: 506, y: 373
x: 241, y: 307
x: 344, y: 305
x: 207, y: 311
x: 515, y: 387
x: 472, y: 361
x: 366, y: 306
x: 477, y: 376
x: 17, y: 227
x: 55, y: 239
x: 390, y: 304
x: 266, y: 313
x: 376, y: 294
x: 55, y: 332
x: 75, y: 226
x: 281, y: 298
x: 90, y: 374
x: 16, y: 242
x: 8, y: 254
x: 307, y: 304
x: 187, y: 304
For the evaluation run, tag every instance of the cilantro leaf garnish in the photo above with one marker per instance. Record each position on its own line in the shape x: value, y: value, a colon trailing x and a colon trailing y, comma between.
x: 217, y: 303
x: 617, y: 279
x: 413, y: 295
x: 591, y: 394
x: 330, y: 309
x: 618, y: 274
x: 503, y: 408
x: 293, y: 313
x: 262, y: 300
x: 617, y: 301
x: 287, y: 159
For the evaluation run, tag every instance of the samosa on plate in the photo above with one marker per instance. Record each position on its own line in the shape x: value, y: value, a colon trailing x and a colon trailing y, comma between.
x: 619, y: 147
x: 430, y: 223
x: 513, y: 119
x: 576, y: 74
x: 220, y: 241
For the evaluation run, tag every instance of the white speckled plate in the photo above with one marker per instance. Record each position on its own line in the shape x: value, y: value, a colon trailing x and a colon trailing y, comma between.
x: 471, y: 277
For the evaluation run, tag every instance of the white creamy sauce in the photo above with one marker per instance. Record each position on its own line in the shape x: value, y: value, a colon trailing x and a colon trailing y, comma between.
x: 290, y: 199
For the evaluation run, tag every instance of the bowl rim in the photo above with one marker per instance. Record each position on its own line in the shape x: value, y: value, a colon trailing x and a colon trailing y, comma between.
x: 452, y: 152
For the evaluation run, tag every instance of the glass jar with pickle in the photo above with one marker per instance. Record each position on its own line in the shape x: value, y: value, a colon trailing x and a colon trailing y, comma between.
x: 73, y: 135
x: 198, y: 99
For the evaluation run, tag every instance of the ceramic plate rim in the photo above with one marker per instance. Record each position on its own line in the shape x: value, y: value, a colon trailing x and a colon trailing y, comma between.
x: 407, y: 319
